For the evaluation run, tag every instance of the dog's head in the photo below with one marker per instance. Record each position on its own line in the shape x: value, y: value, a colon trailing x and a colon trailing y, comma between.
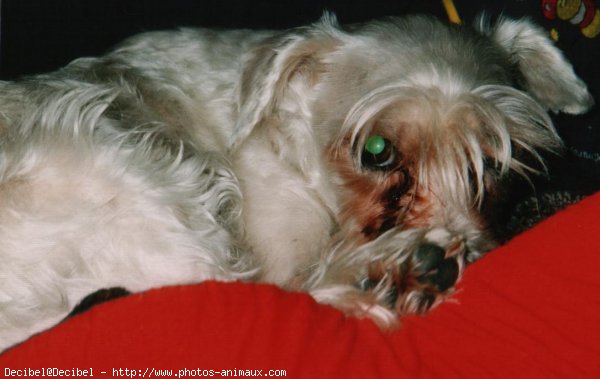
x: 418, y: 122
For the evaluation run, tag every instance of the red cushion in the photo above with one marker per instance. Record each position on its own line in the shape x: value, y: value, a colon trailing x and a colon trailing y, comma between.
x: 529, y: 309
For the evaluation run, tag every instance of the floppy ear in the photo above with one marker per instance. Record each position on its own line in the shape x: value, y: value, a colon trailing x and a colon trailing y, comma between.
x: 282, y: 68
x: 545, y: 73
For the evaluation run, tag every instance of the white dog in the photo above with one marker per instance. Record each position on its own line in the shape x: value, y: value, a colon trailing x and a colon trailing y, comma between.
x: 360, y: 164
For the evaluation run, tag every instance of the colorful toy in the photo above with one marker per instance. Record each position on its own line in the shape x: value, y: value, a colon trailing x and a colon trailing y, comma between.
x: 582, y: 13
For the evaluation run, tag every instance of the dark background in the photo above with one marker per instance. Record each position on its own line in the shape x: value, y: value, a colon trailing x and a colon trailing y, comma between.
x: 42, y: 35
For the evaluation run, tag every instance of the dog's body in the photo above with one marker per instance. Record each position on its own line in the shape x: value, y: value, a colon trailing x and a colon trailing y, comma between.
x: 361, y: 165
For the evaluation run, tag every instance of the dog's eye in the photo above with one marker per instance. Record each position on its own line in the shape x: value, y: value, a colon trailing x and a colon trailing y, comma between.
x: 378, y: 153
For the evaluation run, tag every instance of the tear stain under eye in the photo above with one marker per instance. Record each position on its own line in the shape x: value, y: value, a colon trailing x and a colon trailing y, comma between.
x: 393, y: 195
x: 392, y: 208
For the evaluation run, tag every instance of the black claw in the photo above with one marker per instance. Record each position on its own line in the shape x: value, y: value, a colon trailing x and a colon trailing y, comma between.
x: 368, y: 284
x: 391, y: 295
x: 428, y: 257
x: 426, y: 302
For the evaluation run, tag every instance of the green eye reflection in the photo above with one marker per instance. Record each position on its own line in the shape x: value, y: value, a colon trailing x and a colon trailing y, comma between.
x: 378, y: 154
x: 375, y: 144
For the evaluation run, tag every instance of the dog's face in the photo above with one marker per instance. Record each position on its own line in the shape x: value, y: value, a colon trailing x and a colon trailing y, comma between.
x: 419, y: 123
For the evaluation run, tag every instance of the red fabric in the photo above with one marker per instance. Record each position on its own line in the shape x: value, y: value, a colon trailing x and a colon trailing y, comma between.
x: 530, y: 309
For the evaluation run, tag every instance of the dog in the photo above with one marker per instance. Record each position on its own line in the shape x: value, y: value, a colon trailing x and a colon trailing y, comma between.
x: 363, y: 164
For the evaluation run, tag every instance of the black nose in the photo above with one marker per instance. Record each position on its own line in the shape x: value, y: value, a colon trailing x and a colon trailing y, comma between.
x: 435, y: 268
x: 428, y: 256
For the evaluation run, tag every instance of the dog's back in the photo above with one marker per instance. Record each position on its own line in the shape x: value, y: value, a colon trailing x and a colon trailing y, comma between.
x: 88, y: 201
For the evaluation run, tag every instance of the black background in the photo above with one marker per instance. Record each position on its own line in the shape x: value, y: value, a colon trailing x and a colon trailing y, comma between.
x: 41, y: 35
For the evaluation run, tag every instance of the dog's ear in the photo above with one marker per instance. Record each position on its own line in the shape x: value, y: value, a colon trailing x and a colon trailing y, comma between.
x: 281, y: 68
x: 544, y: 72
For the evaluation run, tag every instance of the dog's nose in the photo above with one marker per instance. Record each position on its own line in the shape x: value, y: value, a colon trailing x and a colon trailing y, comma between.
x: 436, y: 269
x: 428, y: 256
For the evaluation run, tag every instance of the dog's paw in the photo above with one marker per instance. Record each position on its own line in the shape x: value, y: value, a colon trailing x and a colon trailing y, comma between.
x: 422, y: 278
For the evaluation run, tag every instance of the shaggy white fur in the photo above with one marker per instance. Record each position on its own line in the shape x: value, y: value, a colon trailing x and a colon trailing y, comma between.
x: 353, y: 163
